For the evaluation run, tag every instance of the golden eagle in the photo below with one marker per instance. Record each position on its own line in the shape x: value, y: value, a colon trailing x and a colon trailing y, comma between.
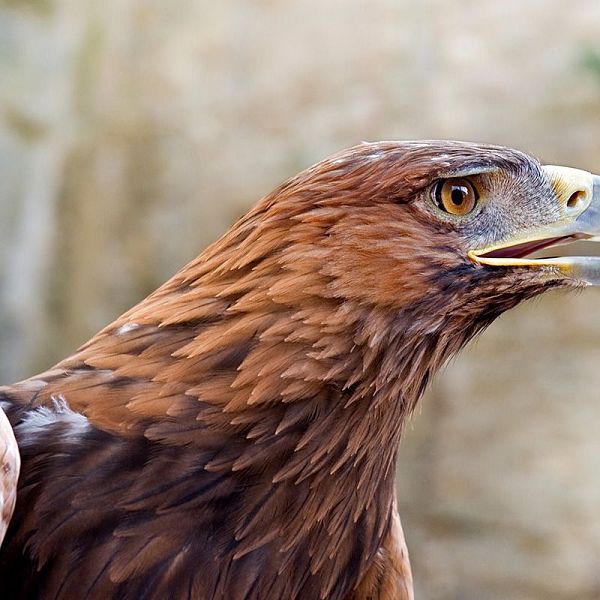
x: 234, y: 435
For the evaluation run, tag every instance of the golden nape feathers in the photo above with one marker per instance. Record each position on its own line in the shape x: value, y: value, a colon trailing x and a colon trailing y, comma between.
x: 234, y: 435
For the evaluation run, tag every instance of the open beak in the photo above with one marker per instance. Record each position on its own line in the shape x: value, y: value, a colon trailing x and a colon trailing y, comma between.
x: 578, y: 194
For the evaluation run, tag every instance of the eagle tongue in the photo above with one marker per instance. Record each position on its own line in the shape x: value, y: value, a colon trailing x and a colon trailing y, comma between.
x: 522, y: 250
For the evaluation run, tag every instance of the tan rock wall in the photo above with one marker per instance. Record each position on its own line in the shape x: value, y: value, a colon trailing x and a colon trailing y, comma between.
x: 132, y: 132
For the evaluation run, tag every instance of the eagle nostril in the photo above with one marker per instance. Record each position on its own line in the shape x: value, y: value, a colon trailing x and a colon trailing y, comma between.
x: 575, y: 199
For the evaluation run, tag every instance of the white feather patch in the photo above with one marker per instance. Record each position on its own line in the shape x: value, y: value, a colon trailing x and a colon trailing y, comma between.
x: 127, y: 328
x: 38, y: 420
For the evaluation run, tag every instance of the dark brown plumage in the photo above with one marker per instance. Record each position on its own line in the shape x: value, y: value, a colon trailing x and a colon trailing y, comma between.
x: 234, y: 435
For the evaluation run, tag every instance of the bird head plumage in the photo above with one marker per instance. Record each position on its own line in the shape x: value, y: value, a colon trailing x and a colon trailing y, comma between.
x: 399, y: 220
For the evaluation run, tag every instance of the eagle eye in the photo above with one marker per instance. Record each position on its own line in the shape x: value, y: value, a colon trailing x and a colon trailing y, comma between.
x: 455, y: 196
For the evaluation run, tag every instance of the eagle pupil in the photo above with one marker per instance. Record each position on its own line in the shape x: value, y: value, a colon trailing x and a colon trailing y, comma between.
x: 458, y: 195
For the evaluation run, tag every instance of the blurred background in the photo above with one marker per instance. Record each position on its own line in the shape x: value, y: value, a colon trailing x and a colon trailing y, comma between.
x: 133, y: 132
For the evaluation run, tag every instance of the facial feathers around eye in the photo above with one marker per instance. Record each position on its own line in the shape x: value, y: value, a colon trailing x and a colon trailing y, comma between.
x: 234, y: 435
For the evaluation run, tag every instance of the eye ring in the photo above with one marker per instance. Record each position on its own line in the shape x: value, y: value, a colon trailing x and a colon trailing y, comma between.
x: 456, y: 196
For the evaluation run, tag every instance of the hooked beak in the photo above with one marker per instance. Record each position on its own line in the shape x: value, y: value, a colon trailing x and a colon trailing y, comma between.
x: 578, y: 194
